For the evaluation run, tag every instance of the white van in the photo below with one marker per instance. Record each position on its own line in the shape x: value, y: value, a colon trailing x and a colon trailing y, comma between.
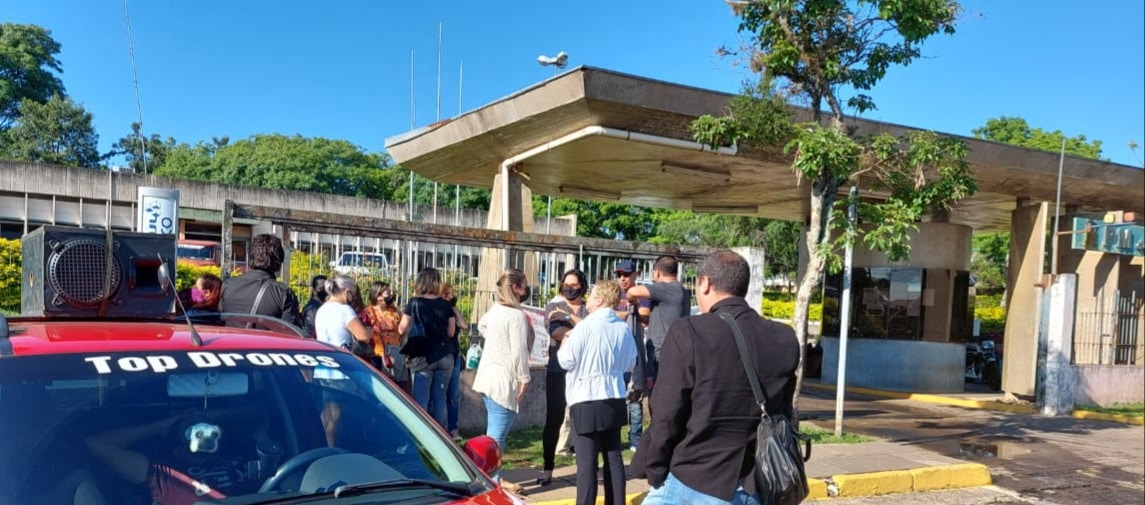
x: 357, y: 263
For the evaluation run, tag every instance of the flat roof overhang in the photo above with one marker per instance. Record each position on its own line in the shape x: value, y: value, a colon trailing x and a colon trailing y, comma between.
x: 469, y: 150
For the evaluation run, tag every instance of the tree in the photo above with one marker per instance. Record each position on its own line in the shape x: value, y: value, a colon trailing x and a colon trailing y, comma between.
x: 143, y: 154
x: 1016, y: 131
x: 58, y: 132
x: 990, y: 262
x: 283, y: 162
x: 602, y: 220
x: 817, y: 49
x: 28, y: 68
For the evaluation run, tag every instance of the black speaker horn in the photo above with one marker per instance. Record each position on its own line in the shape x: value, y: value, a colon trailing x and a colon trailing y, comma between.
x: 65, y: 273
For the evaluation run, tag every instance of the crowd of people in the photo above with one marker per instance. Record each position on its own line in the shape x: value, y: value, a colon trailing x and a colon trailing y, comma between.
x: 614, y: 345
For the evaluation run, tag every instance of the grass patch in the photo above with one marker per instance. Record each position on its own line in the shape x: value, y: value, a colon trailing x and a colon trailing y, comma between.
x: 1121, y: 409
x: 525, y: 450
x: 822, y: 436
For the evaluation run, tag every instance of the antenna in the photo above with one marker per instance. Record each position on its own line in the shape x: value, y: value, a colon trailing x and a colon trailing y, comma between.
x: 135, y: 81
x: 412, y: 113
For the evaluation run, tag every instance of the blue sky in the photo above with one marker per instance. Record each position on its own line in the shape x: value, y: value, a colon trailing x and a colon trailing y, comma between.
x: 341, y: 69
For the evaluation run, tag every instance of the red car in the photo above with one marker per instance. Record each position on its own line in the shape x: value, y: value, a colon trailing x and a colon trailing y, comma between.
x: 102, y: 412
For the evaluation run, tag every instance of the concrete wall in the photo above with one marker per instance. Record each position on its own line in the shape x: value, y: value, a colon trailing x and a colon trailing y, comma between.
x: 51, y: 182
x: 934, y: 245
x: 471, y: 415
x: 897, y: 365
x: 1105, y: 385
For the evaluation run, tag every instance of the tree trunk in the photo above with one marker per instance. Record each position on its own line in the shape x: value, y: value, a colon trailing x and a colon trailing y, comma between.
x: 824, y: 191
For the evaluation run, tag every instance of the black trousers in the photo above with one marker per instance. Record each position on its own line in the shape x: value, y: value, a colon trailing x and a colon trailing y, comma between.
x: 554, y: 417
x: 587, y: 447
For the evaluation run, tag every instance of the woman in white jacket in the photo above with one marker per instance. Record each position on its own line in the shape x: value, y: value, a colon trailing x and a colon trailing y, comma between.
x: 503, y: 374
x: 597, y: 353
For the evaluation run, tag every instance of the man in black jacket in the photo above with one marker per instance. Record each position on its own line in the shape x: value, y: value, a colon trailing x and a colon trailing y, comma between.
x: 700, y: 447
x: 241, y: 294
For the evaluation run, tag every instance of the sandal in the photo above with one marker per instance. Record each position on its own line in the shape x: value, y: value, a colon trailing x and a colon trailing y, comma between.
x: 511, y: 487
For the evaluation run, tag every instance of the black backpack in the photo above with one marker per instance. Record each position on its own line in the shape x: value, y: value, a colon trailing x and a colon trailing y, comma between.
x: 780, y: 478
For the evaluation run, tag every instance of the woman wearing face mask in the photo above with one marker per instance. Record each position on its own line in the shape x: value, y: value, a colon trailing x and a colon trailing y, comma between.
x: 562, y: 314
x: 384, y: 318
x: 203, y: 296
x: 503, y: 375
x: 337, y: 324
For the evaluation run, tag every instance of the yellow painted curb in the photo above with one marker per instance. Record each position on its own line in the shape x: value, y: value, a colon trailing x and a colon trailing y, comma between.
x: 929, y: 398
x: 1101, y: 416
x: 874, y: 484
x: 817, y: 488
x: 950, y: 477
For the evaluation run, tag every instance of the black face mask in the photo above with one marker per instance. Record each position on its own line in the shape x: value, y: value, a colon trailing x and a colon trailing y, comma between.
x: 388, y: 299
x: 321, y: 295
x: 572, y: 293
x: 528, y: 292
x: 453, y: 301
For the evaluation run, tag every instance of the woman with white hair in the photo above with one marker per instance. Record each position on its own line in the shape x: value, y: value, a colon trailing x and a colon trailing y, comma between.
x: 337, y: 324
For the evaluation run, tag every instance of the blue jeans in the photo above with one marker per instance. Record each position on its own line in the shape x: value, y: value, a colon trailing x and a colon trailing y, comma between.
x: 499, y: 421
x: 429, y: 387
x: 453, y: 394
x: 635, y: 422
x: 635, y: 417
x: 675, y: 492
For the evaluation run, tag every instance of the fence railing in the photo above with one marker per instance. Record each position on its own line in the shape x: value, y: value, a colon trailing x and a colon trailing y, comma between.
x: 1113, y: 336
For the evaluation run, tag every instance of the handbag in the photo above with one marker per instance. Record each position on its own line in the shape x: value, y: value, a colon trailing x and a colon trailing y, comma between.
x: 415, y: 334
x: 779, y: 476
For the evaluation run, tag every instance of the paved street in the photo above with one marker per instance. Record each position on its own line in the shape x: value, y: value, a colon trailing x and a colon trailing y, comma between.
x: 1064, y: 461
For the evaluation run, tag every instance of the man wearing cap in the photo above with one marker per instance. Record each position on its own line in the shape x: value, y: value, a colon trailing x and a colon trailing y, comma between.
x: 635, y: 314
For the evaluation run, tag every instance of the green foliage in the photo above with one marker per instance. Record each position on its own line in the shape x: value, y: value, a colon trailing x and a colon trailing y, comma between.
x: 185, y: 274
x: 11, y: 266
x: 820, y: 46
x: 58, y: 131
x: 785, y: 310
x: 304, y: 266
x: 988, y: 300
x: 989, y: 262
x: 28, y: 68
x: 144, y: 154
x: 993, y: 319
x: 822, y: 436
x: 1120, y: 409
x: 276, y: 161
x: 603, y: 220
x: 715, y: 132
x: 1016, y: 131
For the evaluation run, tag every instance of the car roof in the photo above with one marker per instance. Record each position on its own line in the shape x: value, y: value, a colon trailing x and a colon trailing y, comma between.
x: 56, y: 336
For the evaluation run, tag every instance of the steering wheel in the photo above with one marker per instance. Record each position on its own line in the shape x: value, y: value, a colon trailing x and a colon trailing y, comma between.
x: 296, y: 466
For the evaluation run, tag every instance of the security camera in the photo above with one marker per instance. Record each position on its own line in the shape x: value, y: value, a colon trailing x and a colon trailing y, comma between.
x: 560, y: 60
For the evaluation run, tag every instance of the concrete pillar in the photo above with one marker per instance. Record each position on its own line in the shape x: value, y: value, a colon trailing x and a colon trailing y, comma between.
x: 227, y: 240
x: 1023, y: 298
x: 1057, y: 377
x: 519, y: 217
x: 755, y: 257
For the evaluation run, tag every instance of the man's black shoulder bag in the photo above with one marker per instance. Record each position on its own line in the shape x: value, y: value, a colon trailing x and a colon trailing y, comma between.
x: 780, y: 478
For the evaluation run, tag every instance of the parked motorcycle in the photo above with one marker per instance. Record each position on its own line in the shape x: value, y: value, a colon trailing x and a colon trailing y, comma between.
x: 983, y: 364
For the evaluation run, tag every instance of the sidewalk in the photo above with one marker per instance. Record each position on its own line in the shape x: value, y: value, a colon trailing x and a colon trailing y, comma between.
x: 848, y: 469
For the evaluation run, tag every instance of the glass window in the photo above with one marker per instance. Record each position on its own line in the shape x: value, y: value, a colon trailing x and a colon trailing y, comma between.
x: 885, y: 303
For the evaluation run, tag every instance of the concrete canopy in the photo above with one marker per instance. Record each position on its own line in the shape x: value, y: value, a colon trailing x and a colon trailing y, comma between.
x: 535, y: 124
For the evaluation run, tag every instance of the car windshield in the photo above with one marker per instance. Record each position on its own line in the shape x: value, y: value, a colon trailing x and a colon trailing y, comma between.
x: 191, y: 427
x: 196, y: 252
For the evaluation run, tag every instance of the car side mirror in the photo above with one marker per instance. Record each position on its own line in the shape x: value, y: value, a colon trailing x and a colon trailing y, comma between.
x: 164, y: 276
x: 485, y: 453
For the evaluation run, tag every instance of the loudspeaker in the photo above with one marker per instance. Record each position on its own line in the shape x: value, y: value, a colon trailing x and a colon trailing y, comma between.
x: 65, y: 273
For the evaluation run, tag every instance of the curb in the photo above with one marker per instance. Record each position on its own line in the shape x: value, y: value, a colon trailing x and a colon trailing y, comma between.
x: 1101, y: 416
x: 930, y: 398
x: 918, y: 480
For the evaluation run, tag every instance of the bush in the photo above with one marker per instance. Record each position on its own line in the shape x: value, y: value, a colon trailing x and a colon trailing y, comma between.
x: 993, y: 319
x: 11, y: 261
x: 988, y: 301
x: 185, y: 275
x: 786, y: 310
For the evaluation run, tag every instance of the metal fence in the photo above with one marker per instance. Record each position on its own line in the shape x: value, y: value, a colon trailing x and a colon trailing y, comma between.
x: 1112, y: 334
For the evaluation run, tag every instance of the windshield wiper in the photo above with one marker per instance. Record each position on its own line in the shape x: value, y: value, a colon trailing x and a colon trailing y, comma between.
x: 346, y: 490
